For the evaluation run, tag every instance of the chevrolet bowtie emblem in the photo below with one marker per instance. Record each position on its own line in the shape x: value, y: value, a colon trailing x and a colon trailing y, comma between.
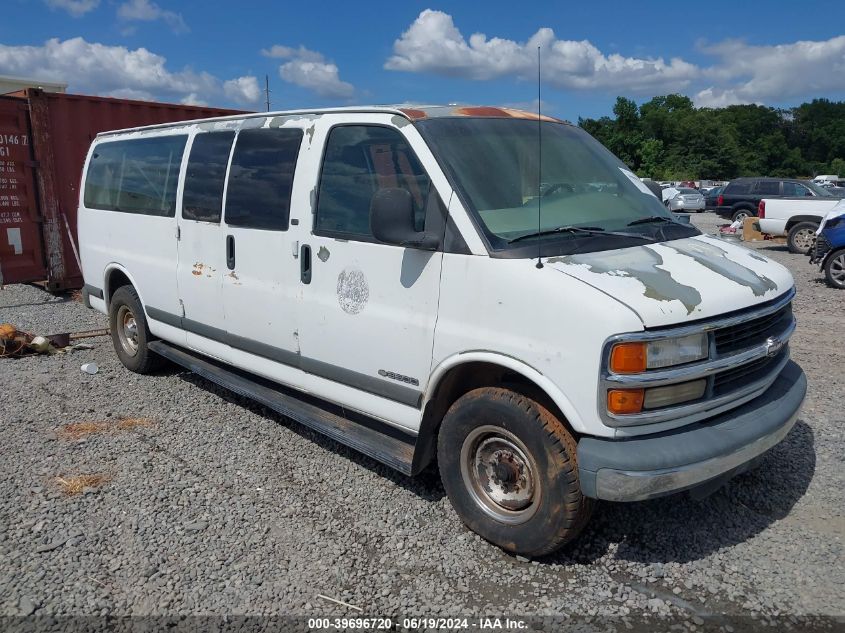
x: 773, y: 346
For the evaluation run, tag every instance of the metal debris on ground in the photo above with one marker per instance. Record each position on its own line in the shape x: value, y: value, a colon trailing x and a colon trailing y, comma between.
x: 15, y: 343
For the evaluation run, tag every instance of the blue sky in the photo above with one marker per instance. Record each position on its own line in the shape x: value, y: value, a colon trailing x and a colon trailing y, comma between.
x: 387, y: 52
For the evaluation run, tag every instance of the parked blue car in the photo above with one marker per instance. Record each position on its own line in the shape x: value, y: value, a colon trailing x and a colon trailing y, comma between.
x: 829, y: 251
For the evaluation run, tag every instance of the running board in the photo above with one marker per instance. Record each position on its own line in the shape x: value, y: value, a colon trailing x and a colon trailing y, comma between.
x: 385, y: 445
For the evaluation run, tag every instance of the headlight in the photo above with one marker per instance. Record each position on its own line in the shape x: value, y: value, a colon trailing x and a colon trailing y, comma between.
x: 635, y: 357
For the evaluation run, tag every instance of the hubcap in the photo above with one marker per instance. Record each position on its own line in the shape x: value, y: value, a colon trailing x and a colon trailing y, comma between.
x: 500, y: 474
x: 127, y: 330
x: 741, y: 216
x: 837, y: 269
x: 804, y: 239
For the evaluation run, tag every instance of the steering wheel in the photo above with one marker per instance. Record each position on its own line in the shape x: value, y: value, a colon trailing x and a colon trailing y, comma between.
x: 559, y: 186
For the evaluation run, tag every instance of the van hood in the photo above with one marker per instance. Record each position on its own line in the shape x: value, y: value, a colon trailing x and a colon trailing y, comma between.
x: 681, y: 280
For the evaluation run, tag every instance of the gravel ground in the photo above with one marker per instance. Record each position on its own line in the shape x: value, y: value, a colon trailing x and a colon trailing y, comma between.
x: 216, y: 505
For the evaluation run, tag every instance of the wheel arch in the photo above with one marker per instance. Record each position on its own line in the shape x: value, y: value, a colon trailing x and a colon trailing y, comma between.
x: 466, y: 371
x: 797, y: 219
x: 116, y: 276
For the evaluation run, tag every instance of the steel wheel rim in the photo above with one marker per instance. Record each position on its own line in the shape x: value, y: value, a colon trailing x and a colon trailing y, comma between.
x: 741, y: 216
x: 837, y: 269
x: 500, y: 475
x: 804, y: 239
x: 127, y: 330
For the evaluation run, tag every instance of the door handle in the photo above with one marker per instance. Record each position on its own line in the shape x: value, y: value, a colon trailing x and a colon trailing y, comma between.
x: 305, y: 264
x: 230, y: 252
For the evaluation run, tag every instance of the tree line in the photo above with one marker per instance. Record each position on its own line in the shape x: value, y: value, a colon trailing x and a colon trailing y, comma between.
x: 668, y: 138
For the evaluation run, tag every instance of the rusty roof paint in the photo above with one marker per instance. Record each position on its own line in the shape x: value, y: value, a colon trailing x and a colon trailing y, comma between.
x: 424, y: 112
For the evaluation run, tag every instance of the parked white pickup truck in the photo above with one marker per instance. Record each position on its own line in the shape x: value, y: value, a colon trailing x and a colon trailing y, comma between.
x: 796, y: 218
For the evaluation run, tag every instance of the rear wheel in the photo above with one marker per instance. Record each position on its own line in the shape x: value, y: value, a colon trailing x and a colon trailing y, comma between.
x: 834, y: 269
x: 510, y: 469
x: 741, y: 214
x: 129, y: 332
x: 800, y: 237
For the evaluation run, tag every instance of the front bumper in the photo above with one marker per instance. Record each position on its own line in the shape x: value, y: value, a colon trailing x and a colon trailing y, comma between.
x: 637, y: 468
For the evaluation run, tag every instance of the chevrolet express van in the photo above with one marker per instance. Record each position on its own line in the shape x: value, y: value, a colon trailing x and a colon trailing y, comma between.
x: 419, y: 284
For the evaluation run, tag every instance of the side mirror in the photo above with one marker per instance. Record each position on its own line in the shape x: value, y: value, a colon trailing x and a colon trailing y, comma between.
x: 392, y: 220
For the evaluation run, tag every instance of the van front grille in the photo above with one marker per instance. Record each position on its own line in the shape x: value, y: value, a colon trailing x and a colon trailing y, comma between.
x: 753, y: 332
x: 737, y: 377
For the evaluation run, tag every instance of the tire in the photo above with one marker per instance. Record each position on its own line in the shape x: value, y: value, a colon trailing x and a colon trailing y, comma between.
x: 800, y: 237
x: 129, y: 332
x: 741, y: 214
x: 528, y: 499
x: 834, y: 269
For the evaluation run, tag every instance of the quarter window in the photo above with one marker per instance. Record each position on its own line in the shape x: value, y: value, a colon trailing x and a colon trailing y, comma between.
x: 737, y: 188
x: 261, y: 178
x: 137, y: 176
x: 206, y: 176
x: 359, y: 161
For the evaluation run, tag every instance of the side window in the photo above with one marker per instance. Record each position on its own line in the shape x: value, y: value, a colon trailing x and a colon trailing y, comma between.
x: 767, y: 187
x: 796, y: 189
x: 137, y: 176
x: 360, y: 160
x: 205, y: 176
x: 737, y: 188
x: 261, y: 178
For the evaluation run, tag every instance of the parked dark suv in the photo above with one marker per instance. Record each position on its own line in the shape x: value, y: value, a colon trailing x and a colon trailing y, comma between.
x: 741, y: 196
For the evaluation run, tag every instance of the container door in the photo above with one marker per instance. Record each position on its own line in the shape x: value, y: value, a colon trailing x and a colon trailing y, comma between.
x: 202, y: 242
x: 21, y: 254
x: 368, y: 309
x: 260, y: 276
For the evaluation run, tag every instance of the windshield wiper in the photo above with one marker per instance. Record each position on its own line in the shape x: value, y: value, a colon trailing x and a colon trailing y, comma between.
x: 652, y: 218
x: 587, y: 230
x: 590, y: 230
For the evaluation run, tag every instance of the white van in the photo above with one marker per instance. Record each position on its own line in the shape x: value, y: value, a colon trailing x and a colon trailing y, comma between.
x: 825, y: 179
x: 406, y: 281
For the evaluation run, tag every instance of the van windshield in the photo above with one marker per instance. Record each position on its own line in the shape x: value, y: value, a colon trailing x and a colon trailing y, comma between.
x: 495, y: 165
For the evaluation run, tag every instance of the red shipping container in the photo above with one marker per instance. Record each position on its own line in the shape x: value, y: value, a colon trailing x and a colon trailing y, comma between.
x: 44, y: 138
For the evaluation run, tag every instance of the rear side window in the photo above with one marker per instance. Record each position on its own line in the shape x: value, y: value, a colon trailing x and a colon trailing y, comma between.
x: 137, y: 176
x: 261, y: 178
x: 360, y: 160
x: 767, y: 187
x: 205, y: 177
x: 738, y: 188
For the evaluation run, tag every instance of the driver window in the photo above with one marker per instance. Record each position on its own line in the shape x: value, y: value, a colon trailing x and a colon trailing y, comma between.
x: 360, y: 160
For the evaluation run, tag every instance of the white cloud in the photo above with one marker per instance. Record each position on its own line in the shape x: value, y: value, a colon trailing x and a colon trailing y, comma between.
x: 740, y: 73
x: 93, y: 68
x: 243, y: 89
x: 434, y: 44
x: 193, y: 99
x: 755, y: 74
x: 147, y: 11
x: 310, y: 69
x: 76, y: 8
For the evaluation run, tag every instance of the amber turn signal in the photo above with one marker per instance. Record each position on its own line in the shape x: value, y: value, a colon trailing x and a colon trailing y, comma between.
x: 628, y: 358
x: 622, y: 401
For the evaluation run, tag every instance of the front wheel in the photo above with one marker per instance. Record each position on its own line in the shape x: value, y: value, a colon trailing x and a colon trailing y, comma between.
x: 800, y: 237
x: 510, y: 469
x: 129, y: 332
x: 834, y: 269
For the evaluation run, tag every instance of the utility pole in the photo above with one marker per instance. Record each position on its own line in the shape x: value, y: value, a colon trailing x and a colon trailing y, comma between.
x: 267, y: 91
